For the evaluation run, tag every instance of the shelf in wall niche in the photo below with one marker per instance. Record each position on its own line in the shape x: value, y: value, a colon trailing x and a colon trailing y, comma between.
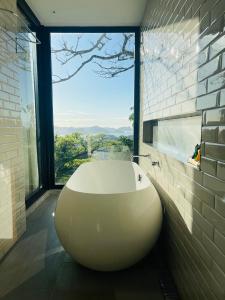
x: 186, y: 163
x: 193, y: 163
x: 174, y: 137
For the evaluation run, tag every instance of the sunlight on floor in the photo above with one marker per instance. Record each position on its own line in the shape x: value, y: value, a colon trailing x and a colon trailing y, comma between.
x: 6, y: 219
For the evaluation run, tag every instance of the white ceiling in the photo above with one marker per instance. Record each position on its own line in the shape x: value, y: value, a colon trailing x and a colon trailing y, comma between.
x: 88, y: 12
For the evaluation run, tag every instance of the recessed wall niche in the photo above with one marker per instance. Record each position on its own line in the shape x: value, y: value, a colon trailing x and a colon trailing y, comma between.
x: 148, y: 128
x: 175, y: 137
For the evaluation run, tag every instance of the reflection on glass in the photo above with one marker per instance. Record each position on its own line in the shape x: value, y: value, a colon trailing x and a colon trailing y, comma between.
x: 169, y: 58
x: 93, y: 77
x: 26, y: 82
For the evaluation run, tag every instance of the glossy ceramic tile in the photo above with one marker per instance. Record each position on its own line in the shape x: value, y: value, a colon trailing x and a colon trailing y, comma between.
x: 210, y: 134
x: 214, y: 117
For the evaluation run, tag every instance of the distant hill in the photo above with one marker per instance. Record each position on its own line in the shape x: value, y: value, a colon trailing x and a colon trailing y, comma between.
x: 127, y: 131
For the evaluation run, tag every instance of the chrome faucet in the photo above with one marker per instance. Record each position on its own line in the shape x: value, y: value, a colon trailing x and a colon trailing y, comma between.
x: 139, y: 177
x: 154, y: 163
x: 141, y: 155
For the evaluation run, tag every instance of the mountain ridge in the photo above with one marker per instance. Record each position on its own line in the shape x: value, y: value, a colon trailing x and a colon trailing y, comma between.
x: 125, y: 130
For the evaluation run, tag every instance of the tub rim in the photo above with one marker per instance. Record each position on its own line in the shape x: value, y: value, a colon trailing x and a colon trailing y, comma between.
x: 145, y: 187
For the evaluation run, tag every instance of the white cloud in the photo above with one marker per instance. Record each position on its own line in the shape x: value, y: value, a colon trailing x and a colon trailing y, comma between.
x: 72, y: 113
x: 80, y: 119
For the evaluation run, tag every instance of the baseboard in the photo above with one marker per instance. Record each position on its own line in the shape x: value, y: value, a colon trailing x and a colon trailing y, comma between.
x: 39, y: 201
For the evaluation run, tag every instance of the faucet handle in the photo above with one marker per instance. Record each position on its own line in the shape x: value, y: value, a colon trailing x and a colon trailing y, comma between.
x: 146, y: 155
x: 155, y: 163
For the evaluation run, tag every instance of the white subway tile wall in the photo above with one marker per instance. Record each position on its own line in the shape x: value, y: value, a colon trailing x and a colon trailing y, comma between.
x: 12, y: 197
x: 182, y: 73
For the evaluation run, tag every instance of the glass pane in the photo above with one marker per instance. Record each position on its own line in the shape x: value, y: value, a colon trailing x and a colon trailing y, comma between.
x: 26, y: 72
x: 93, y: 98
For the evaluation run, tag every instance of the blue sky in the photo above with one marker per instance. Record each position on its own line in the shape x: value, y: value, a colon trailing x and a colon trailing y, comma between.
x: 87, y: 99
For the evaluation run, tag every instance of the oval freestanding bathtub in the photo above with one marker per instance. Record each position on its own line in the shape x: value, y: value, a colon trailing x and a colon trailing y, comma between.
x: 108, y: 215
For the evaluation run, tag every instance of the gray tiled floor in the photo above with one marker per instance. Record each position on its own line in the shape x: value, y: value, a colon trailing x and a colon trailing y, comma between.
x: 38, y: 268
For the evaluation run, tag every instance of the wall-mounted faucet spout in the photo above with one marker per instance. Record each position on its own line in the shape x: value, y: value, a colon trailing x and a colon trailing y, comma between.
x: 154, y: 163
x: 141, y: 155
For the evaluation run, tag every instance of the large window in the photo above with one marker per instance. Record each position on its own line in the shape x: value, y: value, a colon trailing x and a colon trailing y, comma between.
x: 93, y: 98
x: 28, y: 115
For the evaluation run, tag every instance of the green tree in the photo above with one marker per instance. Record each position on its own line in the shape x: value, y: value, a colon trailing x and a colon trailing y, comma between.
x: 72, y: 150
x: 97, y: 141
x: 67, y: 149
x: 126, y: 141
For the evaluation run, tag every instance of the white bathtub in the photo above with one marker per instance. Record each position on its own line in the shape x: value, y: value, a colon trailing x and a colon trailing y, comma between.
x: 106, y: 218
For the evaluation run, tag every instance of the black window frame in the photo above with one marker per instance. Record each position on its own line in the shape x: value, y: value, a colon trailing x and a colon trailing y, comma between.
x: 45, y: 94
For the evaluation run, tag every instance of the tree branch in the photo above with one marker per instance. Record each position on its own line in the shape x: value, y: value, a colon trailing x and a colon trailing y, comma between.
x: 110, y: 72
x: 116, y: 59
x: 72, y: 53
